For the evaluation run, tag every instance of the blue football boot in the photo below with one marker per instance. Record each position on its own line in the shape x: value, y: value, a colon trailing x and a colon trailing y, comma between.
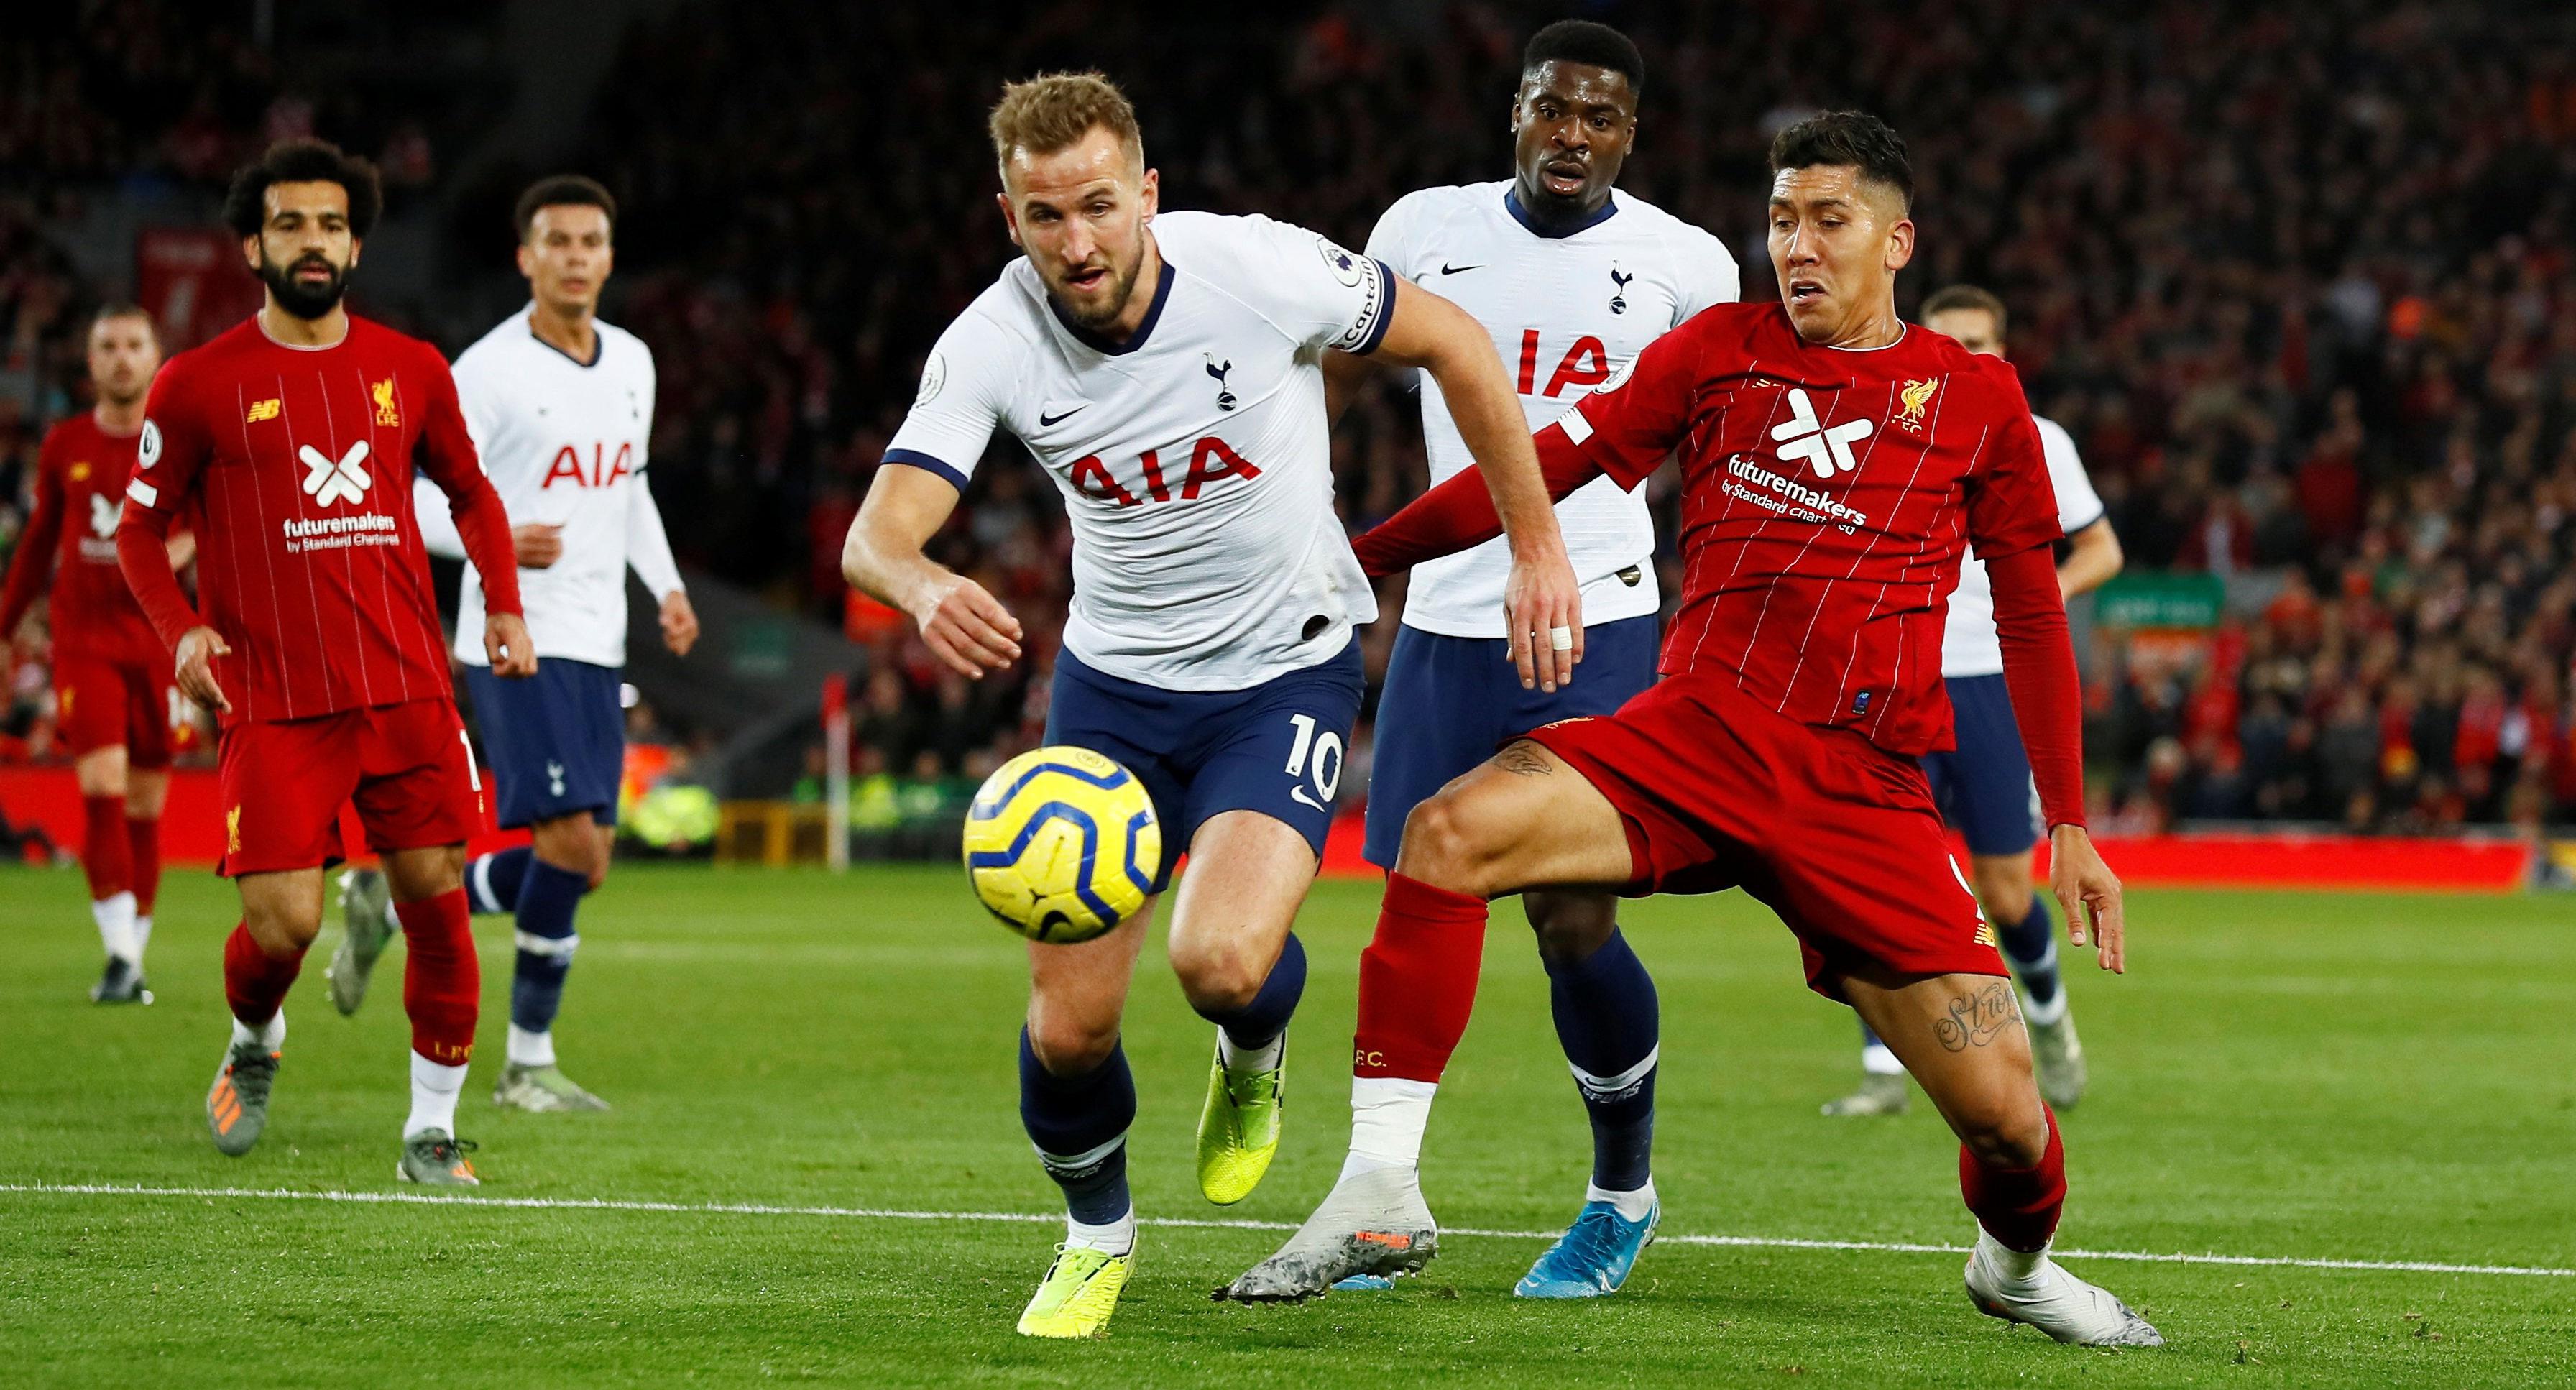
x: 1594, y: 1255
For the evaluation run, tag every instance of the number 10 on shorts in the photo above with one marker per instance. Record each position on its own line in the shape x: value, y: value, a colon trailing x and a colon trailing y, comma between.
x: 1326, y: 765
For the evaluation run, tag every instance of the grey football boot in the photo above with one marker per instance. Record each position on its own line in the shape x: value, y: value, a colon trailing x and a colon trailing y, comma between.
x: 1371, y: 1223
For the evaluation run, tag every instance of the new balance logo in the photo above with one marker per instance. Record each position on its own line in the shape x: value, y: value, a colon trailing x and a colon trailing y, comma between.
x: 328, y: 480
x: 1804, y: 437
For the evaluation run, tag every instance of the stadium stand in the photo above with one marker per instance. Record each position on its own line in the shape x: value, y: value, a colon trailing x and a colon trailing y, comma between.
x: 2303, y: 297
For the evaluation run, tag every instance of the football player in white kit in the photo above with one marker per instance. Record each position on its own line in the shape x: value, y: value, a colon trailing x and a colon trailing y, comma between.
x: 1571, y: 280
x: 1984, y: 784
x: 1166, y: 372
x: 561, y: 408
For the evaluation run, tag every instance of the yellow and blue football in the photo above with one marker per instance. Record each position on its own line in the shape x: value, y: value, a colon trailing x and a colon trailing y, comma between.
x: 1062, y: 844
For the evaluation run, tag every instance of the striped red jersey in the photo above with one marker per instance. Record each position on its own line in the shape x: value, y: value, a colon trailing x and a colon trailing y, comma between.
x: 1827, y: 497
x: 309, y: 560
x: 71, y: 537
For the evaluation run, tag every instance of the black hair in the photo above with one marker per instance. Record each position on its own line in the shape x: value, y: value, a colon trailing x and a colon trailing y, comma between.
x: 1594, y: 45
x: 303, y: 161
x: 564, y: 190
x: 1856, y: 138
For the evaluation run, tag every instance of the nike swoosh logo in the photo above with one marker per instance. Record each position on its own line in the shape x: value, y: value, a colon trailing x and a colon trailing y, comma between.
x: 1298, y: 794
x: 1448, y: 269
x: 1045, y: 419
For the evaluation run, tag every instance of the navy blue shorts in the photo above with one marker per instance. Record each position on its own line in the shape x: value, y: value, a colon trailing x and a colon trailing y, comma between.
x: 1277, y: 748
x: 1983, y: 786
x: 1449, y: 702
x: 556, y: 740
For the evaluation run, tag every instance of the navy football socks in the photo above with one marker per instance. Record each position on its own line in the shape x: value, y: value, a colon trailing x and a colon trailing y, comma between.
x: 1255, y: 1024
x: 1079, y: 1126
x: 492, y: 880
x: 2030, y: 945
x: 547, y: 898
x: 1606, y: 1018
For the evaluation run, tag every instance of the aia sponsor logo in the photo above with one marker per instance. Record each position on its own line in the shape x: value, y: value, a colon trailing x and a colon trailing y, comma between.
x: 1211, y: 460
x: 602, y: 469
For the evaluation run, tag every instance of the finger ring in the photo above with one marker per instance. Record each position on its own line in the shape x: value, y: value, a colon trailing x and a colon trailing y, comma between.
x: 1561, y: 638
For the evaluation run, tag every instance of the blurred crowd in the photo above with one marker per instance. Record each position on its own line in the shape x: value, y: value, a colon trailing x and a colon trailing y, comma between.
x: 2295, y: 276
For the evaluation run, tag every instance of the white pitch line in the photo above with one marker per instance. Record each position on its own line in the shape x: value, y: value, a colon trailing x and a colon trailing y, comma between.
x: 83, y: 1189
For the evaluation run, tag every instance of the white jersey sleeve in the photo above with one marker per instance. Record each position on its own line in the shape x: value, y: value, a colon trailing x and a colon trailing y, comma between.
x: 1312, y: 290
x: 1707, y: 272
x: 648, y: 546
x: 967, y: 386
x: 1969, y: 646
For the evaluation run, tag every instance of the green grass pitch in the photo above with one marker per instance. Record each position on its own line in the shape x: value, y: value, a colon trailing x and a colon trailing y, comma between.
x: 2353, y: 1077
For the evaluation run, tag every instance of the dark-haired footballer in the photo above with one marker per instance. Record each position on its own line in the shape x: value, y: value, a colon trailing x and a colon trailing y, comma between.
x: 1572, y: 281
x: 297, y: 433
x: 1836, y: 465
x: 561, y: 406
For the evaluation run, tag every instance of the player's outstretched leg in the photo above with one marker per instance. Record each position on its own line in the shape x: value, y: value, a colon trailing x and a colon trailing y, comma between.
x: 1243, y: 970
x: 547, y: 896
x: 143, y: 860
x: 255, y: 983
x: 1077, y: 1101
x: 1607, y: 1020
x: 366, y: 925
x: 1526, y: 818
x: 1882, y: 1082
x: 1962, y: 1038
x: 442, y: 993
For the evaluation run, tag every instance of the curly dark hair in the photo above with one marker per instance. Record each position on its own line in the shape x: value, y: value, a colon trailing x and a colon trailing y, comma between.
x: 1855, y: 138
x: 303, y: 161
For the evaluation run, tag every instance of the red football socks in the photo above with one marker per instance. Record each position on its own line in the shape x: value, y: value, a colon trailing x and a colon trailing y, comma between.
x: 442, y: 981
x: 2019, y: 1207
x: 1418, y: 980
x: 255, y: 982
x: 143, y: 856
x: 105, y: 857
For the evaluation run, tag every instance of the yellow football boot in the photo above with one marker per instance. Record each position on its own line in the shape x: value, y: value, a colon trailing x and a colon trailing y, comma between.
x: 1080, y: 1292
x: 1239, y: 1129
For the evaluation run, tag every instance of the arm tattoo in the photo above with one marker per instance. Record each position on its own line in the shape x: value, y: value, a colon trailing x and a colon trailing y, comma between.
x: 1977, y: 1017
x: 1523, y: 759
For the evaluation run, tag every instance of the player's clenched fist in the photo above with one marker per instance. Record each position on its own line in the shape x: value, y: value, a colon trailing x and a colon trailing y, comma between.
x: 506, y: 642
x: 198, y: 648
x: 966, y: 627
x: 679, y: 622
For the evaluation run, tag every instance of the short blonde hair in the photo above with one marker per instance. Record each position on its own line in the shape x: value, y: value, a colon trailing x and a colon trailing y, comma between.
x: 1056, y: 109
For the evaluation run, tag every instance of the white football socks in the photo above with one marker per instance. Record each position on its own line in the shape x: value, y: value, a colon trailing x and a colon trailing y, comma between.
x: 1631, y: 1206
x: 531, y: 1049
x: 434, y: 1089
x: 1250, y: 1059
x: 2017, y: 1269
x: 142, y: 935
x: 1877, y: 1060
x: 1388, y: 1117
x: 271, y: 1036
x: 1116, y: 1238
x: 115, y: 918
x: 2039, y: 1015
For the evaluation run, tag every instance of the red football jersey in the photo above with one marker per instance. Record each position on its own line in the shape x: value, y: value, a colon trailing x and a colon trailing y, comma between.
x: 309, y: 560
x: 1827, y: 497
x: 71, y: 537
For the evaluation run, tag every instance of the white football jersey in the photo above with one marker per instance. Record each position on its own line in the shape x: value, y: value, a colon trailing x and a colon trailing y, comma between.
x: 1193, y: 457
x: 1566, y: 312
x: 1968, y: 644
x: 563, y: 442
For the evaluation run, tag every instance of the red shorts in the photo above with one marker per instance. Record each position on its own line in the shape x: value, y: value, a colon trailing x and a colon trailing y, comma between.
x: 1839, y: 836
x: 405, y: 767
x: 105, y: 701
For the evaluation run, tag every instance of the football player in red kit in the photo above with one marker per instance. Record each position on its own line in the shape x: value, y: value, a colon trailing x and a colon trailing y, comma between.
x: 296, y: 433
x: 112, y: 685
x: 1835, y: 463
